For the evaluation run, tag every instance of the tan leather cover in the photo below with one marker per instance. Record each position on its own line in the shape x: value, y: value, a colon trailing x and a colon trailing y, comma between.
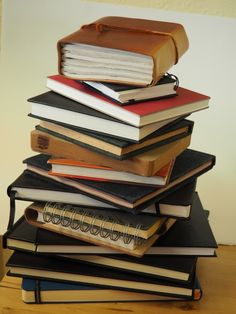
x: 145, y: 164
x: 165, y: 42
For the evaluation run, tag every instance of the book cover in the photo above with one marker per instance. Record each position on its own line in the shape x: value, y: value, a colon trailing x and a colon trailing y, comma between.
x: 55, y: 107
x: 145, y: 164
x: 81, y: 170
x: 138, y: 114
x: 119, y: 231
x: 125, y: 94
x: 51, y: 268
x: 116, y: 147
x: 188, y: 165
x: 42, y: 291
x: 127, y: 50
x: 174, y: 268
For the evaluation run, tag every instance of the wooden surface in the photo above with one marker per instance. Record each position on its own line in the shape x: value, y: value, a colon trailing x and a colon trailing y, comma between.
x: 217, y: 277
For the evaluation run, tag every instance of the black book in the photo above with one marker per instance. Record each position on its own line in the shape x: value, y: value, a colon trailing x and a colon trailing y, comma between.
x: 29, y: 265
x: 188, y: 166
x: 127, y: 94
x: 115, y: 147
x: 29, y: 186
x: 55, y: 107
x: 186, y: 237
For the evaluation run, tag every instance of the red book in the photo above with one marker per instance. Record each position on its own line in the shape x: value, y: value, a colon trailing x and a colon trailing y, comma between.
x: 137, y: 114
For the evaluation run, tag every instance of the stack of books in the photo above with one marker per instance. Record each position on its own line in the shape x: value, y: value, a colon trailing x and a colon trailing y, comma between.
x: 115, y: 213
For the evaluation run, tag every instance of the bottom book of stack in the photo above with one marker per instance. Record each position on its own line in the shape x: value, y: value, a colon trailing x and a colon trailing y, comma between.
x: 70, y: 270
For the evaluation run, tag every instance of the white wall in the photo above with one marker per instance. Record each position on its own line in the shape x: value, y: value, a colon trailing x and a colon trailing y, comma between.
x: 28, y: 54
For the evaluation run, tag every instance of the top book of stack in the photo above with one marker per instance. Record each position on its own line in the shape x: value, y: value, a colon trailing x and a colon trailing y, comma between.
x: 122, y: 50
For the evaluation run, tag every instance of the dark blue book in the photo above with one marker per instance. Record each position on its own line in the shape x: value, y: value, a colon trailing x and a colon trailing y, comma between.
x: 41, y: 291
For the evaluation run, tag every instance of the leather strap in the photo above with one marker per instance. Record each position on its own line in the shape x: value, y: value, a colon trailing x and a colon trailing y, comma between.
x: 101, y: 27
x: 12, y: 210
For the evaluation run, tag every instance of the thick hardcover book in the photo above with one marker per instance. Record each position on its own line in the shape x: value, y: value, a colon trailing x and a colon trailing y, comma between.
x: 41, y: 291
x: 144, y: 164
x: 122, y: 50
x: 189, y: 165
x: 131, y: 234
x: 174, y: 268
x: 52, y: 268
x: 138, y: 114
x: 54, y: 107
x: 116, y: 147
x: 186, y: 237
x: 125, y: 94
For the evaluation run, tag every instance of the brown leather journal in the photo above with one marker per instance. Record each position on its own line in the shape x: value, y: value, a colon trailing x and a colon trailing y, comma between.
x: 111, y: 46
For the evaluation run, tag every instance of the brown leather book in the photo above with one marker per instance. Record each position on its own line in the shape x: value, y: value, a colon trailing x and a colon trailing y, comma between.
x: 145, y: 164
x: 122, y: 50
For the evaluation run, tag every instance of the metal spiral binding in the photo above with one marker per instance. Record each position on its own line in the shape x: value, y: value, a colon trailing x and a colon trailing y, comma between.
x: 51, y: 214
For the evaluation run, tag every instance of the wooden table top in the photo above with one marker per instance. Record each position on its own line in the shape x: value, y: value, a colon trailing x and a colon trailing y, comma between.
x: 217, y: 277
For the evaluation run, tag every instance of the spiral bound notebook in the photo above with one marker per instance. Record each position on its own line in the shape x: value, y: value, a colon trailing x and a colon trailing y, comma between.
x: 132, y: 234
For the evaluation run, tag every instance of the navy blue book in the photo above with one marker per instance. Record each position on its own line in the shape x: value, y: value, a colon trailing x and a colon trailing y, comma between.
x: 41, y: 291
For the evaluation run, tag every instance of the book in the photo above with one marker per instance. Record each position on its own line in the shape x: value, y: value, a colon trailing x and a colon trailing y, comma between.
x: 117, y: 148
x: 131, y: 234
x: 144, y: 164
x: 188, y: 165
x: 125, y: 94
x: 23, y: 264
x: 138, y: 114
x: 42, y: 291
x: 77, y: 169
x: 173, y: 268
x: 30, y: 186
x: 184, y: 238
x: 56, y: 108
x: 122, y: 50
x: 179, y: 203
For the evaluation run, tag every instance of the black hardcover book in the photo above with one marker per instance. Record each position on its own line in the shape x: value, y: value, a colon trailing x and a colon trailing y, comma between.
x: 188, y: 166
x: 29, y: 187
x: 115, y: 147
x: 126, y: 94
x: 47, y: 267
x: 55, y: 108
x: 186, y: 237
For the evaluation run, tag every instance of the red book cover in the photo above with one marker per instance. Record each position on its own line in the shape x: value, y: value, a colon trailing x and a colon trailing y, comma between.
x: 78, y: 91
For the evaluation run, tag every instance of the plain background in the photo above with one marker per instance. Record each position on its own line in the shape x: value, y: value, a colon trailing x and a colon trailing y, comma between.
x: 30, y: 30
